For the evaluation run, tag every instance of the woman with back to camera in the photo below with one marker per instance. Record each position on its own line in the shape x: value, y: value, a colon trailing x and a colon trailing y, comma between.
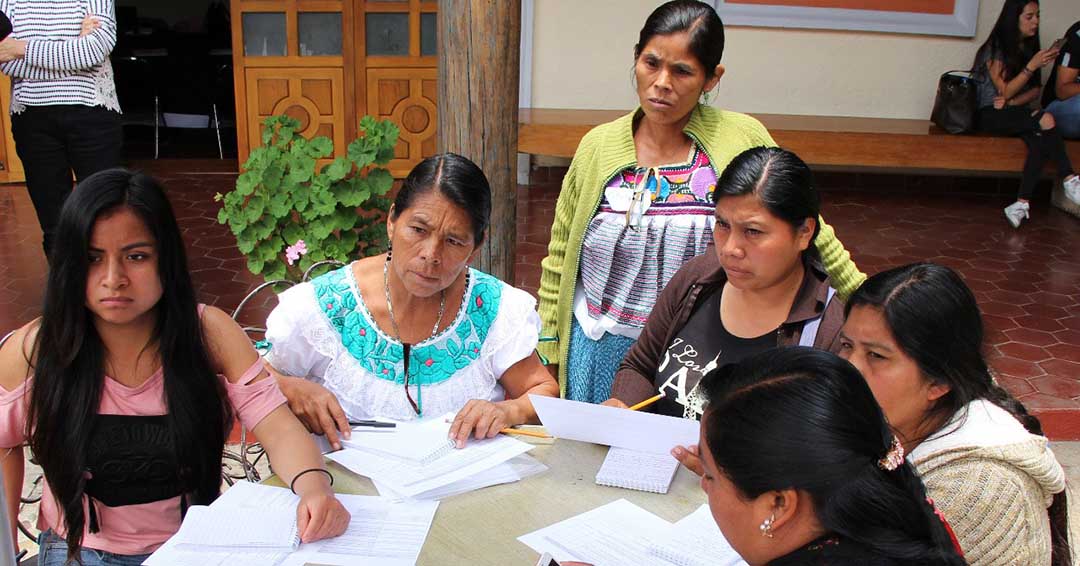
x: 800, y: 468
x: 1007, y: 71
x: 636, y: 203
x: 126, y: 387
x: 916, y: 335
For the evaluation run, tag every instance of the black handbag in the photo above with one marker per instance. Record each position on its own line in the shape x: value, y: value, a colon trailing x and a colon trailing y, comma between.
x: 955, y: 103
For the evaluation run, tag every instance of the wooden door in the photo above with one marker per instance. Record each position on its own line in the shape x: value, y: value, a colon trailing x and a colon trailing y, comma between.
x: 395, y: 69
x: 294, y: 57
x: 11, y: 169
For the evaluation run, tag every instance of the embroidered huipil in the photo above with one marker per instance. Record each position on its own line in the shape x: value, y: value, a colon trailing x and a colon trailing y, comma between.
x: 632, y: 248
x: 323, y: 331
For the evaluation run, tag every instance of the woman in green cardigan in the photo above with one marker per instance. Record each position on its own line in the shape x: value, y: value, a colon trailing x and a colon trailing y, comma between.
x: 636, y: 202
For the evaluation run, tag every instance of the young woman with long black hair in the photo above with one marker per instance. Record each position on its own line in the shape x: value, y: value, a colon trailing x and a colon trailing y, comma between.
x: 1007, y: 71
x: 801, y: 468
x: 125, y: 388
x: 916, y: 335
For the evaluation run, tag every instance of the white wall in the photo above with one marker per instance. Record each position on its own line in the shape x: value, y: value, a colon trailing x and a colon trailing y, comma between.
x: 583, y: 55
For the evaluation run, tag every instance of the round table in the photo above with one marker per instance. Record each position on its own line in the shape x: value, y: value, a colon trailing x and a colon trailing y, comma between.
x: 481, y: 527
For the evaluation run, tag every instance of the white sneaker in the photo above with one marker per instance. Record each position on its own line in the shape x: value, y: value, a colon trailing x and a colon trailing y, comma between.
x: 1017, y: 212
x: 1072, y: 190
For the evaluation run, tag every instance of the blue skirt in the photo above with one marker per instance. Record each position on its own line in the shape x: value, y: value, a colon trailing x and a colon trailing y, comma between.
x: 592, y: 364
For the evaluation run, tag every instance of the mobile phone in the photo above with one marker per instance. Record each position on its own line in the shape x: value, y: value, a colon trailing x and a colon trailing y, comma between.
x: 546, y: 560
x: 1058, y: 43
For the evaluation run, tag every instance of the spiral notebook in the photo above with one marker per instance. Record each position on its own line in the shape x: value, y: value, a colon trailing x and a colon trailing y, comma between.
x: 642, y: 471
x: 421, y: 441
x: 251, y: 529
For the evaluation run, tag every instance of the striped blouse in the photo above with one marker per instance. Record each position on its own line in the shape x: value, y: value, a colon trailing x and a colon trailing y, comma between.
x: 60, y: 67
x: 650, y: 222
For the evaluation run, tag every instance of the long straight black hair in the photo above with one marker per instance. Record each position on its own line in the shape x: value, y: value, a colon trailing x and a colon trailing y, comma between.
x: 935, y: 320
x: 69, y: 356
x: 1005, y: 39
x: 804, y: 419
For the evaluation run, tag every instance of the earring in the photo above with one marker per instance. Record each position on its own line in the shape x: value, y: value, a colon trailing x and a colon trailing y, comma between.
x: 766, y: 526
x: 705, y: 95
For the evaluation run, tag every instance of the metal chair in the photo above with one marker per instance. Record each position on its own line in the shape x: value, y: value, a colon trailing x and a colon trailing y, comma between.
x: 136, y: 87
x: 250, y: 454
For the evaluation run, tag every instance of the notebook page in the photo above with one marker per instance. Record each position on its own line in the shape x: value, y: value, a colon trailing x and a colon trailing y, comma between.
x: 238, y: 528
x: 642, y: 471
x: 615, y: 534
x: 696, y: 540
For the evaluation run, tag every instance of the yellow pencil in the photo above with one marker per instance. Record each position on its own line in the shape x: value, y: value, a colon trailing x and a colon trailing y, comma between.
x: 521, y: 432
x: 647, y: 402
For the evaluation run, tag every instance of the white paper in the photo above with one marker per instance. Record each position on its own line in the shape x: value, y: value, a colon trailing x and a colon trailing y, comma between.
x: 616, y: 534
x: 599, y: 424
x: 410, y: 480
x: 382, y: 532
x: 416, y: 441
x: 696, y: 540
x: 515, y: 469
x: 238, y: 529
x: 632, y: 469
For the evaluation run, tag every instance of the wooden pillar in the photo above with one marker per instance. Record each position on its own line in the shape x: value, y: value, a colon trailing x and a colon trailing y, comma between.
x: 478, y: 109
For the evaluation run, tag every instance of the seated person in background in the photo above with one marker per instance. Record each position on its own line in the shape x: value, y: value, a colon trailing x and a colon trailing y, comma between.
x: 916, y: 334
x: 414, y: 332
x: 1061, y: 97
x: 125, y: 388
x: 1007, y: 71
x: 760, y: 286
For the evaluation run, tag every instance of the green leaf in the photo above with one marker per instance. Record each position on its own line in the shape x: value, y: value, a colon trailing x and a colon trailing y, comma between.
x: 320, y: 229
x: 380, y: 181
x: 222, y: 216
x: 320, y: 147
x: 256, y: 205
x: 271, y: 177
x: 275, y: 270
x: 246, y: 183
x: 255, y: 265
x: 291, y: 233
x: 338, y: 169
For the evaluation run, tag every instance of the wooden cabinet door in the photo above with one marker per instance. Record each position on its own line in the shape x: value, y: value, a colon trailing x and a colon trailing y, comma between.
x: 314, y: 96
x: 11, y: 169
x: 407, y: 97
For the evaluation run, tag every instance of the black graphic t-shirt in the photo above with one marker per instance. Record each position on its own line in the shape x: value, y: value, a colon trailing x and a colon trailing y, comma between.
x: 699, y: 347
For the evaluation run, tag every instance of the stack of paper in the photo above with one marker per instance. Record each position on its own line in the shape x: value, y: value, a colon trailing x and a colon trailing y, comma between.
x: 600, y: 424
x: 398, y: 473
x: 622, y: 533
x: 382, y: 532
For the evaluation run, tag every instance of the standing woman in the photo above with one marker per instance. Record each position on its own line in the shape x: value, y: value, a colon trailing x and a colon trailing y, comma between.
x: 915, y: 334
x: 64, y: 112
x: 636, y: 203
x: 125, y: 388
x: 1007, y: 73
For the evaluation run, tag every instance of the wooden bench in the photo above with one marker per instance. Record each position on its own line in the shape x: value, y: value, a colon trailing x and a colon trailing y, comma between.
x: 822, y: 141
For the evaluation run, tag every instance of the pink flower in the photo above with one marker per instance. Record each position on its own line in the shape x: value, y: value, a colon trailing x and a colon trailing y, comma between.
x: 293, y: 252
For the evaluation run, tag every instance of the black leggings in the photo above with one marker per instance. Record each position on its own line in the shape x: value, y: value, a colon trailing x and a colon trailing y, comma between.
x: 1042, y: 144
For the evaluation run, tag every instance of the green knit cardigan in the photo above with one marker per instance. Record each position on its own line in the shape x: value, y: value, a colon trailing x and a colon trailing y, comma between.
x: 605, y: 151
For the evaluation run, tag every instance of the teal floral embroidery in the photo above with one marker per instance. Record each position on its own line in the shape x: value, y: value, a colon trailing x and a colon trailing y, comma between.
x: 435, y: 362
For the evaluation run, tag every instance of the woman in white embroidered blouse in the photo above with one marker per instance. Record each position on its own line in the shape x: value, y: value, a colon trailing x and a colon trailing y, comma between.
x: 415, y: 332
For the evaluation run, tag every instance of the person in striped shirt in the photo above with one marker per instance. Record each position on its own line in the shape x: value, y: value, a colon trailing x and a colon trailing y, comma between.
x: 64, y: 112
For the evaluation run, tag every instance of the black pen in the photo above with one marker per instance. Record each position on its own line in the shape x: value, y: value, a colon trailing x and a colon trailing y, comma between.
x: 373, y: 424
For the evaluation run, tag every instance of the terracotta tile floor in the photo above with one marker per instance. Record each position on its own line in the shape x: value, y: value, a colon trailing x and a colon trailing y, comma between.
x: 1027, y: 280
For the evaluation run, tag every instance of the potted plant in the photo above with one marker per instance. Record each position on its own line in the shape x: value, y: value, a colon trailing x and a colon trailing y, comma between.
x: 287, y: 213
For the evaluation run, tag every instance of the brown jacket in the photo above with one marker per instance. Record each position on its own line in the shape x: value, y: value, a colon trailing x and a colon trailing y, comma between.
x: 699, y: 278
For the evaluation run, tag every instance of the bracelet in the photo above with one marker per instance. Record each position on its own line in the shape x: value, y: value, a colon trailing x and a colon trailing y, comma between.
x: 292, y: 484
x: 1028, y: 71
